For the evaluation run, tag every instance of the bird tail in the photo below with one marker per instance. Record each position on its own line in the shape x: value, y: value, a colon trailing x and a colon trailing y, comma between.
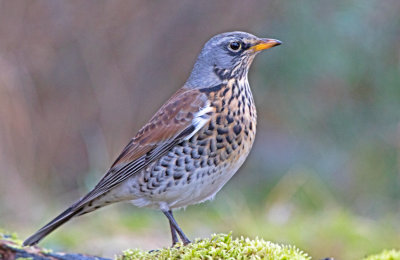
x: 52, y: 225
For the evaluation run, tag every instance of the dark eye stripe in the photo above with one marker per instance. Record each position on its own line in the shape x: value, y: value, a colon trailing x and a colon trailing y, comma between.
x: 246, y: 46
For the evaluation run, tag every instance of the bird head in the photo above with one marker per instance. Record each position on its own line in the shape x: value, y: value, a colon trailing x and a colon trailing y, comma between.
x: 225, y: 56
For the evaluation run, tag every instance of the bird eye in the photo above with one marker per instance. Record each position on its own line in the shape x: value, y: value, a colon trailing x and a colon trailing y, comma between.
x: 235, y: 46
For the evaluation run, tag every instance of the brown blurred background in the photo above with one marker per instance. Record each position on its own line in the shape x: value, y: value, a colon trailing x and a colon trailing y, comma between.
x: 79, y: 78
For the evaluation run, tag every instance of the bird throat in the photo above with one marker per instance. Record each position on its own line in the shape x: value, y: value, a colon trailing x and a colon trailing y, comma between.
x: 234, y: 98
x: 239, y: 71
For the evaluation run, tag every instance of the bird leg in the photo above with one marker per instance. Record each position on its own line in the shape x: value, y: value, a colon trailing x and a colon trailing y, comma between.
x: 173, y: 232
x: 175, y: 228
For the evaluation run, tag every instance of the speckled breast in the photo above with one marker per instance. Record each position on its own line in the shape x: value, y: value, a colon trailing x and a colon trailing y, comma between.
x: 196, y: 169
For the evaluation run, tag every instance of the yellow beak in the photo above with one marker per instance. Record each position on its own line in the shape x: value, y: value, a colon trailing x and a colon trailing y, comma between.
x: 265, y: 43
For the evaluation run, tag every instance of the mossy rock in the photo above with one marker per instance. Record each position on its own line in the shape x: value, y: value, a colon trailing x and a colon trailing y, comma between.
x: 11, y: 248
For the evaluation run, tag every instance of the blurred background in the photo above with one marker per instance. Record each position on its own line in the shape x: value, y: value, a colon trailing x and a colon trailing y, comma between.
x: 79, y: 78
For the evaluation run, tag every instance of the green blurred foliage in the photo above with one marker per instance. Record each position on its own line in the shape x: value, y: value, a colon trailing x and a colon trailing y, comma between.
x: 78, y: 79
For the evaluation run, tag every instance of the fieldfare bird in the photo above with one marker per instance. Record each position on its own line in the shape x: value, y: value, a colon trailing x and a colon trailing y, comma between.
x: 194, y: 143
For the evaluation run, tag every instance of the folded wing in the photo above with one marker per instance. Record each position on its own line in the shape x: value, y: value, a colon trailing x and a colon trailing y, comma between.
x: 177, y: 120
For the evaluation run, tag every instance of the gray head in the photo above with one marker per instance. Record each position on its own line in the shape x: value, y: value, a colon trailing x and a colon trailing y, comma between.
x: 227, y: 55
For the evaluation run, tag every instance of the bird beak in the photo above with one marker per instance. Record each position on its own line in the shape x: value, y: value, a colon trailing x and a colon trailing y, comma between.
x: 264, y: 44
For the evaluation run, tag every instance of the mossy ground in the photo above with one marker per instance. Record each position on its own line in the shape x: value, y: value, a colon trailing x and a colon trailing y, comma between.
x: 222, y: 246
x: 9, y: 236
x: 385, y: 255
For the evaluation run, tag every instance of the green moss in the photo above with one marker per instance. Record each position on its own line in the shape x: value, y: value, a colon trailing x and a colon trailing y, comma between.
x: 46, y: 251
x: 221, y: 247
x: 385, y: 255
x: 5, y: 235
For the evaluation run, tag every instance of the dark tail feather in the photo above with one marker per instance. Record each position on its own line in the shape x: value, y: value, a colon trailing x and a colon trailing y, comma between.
x: 52, y: 225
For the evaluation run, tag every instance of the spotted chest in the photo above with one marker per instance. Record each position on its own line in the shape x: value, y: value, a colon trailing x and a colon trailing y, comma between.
x: 233, y: 125
x: 194, y: 170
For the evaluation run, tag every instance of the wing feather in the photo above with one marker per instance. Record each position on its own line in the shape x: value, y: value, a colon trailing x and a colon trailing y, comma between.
x: 179, y: 119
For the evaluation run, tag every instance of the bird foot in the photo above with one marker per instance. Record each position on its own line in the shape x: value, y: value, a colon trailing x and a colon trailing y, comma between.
x: 185, y: 243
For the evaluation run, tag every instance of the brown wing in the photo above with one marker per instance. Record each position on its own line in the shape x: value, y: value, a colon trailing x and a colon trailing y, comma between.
x: 174, y: 122
x: 182, y: 116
